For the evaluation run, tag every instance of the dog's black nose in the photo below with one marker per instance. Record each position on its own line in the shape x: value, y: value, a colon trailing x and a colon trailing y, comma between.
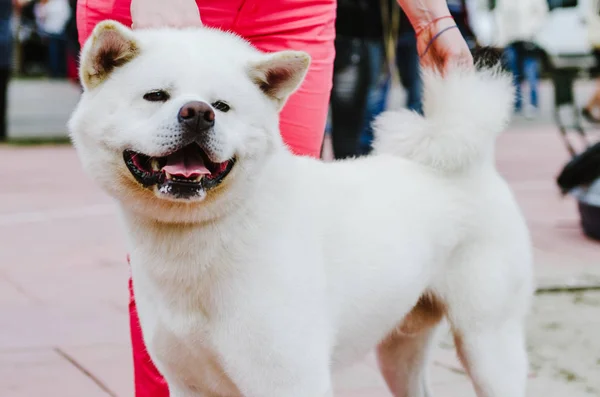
x: 196, y: 116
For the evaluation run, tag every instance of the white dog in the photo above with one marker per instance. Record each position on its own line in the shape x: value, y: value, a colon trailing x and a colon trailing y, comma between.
x: 257, y: 272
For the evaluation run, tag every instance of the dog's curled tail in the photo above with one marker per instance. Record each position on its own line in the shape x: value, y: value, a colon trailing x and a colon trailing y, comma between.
x: 464, y: 111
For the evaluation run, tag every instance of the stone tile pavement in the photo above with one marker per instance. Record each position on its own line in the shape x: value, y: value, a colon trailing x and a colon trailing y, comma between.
x: 63, y: 291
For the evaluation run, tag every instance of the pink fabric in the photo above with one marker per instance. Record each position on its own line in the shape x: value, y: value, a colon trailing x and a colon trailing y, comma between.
x: 271, y: 25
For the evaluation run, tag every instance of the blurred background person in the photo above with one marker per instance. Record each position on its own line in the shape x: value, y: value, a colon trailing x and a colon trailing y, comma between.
x: 6, y: 7
x: 381, y: 69
x: 590, y: 110
x: 51, y: 18
x: 518, y: 21
x: 73, y: 47
x: 460, y: 11
x: 358, y: 49
x: 31, y: 48
x: 377, y: 99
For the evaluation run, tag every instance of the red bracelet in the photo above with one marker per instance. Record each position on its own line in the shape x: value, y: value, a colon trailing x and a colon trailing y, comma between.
x: 431, y: 23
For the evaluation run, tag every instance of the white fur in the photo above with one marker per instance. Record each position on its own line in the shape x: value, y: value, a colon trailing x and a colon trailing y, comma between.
x: 295, y: 267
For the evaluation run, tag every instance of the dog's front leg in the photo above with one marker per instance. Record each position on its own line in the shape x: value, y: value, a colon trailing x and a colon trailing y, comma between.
x: 275, y: 374
x: 282, y: 352
x: 178, y: 392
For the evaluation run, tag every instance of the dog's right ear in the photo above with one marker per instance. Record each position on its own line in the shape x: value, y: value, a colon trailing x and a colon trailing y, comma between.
x: 110, y: 45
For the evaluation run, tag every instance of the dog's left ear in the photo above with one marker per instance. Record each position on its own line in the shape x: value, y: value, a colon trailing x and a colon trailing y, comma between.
x: 279, y: 74
x: 110, y: 45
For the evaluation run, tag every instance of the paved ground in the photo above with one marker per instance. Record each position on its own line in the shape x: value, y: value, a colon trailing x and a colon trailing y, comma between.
x: 63, y: 299
x: 40, y: 107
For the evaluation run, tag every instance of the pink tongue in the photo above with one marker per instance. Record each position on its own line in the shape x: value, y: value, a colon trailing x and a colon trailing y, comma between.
x: 186, y: 163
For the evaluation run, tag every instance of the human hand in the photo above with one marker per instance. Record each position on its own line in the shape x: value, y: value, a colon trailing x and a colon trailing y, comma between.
x: 446, y: 51
x: 163, y: 13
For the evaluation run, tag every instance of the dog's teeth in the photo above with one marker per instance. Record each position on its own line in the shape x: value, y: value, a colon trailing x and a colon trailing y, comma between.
x: 154, y: 165
x: 198, y: 178
x: 169, y: 176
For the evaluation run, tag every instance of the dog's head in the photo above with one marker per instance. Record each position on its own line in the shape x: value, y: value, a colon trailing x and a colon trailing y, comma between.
x: 171, y: 121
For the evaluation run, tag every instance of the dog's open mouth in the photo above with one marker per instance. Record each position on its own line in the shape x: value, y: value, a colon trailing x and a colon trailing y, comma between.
x: 185, y: 173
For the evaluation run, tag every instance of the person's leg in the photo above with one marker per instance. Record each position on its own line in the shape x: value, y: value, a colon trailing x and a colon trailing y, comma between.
x: 62, y: 56
x: 407, y: 61
x: 72, y: 66
x: 377, y: 96
x: 57, y: 56
x: 148, y: 381
x: 4, y: 79
x: 306, y: 26
x: 531, y: 72
x: 593, y: 105
x: 594, y: 101
x: 73, y: 50
x: 52, y: 56
x: 511, y: 58
x: 351, y: 83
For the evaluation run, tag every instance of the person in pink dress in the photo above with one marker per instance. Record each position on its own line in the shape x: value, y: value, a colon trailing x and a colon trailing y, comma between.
x: 272, y: 25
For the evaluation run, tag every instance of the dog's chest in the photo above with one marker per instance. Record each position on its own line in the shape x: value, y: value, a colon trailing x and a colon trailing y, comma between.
x: 178, y: 338
x: 193, y: 361
x: 177, y: 324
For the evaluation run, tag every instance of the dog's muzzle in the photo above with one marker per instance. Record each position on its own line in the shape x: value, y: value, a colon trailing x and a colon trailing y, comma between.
x: 187, y: 171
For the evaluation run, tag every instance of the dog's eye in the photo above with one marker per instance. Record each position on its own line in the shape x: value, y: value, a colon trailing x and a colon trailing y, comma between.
x: 221, y: 106
x: 156, y: 96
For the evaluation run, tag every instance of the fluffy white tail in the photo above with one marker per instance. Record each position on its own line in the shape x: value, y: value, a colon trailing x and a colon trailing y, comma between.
x: 464, y: 110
